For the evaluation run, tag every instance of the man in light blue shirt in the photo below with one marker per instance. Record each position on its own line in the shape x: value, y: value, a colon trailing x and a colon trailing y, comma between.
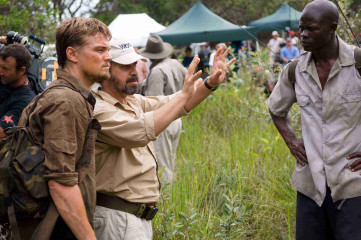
x: 289, y: 52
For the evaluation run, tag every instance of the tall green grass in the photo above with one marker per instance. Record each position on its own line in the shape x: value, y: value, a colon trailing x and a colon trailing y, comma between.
x: 233, y: 173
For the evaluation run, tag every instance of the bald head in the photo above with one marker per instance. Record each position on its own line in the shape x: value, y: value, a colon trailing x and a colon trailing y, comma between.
x: 323, y: 10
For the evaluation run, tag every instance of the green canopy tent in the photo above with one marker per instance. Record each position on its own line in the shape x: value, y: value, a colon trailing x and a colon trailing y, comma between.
x: 199, y: 24
x: 284, y: 17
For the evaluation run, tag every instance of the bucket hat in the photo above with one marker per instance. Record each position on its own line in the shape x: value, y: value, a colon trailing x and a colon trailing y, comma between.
x: 156, y: 48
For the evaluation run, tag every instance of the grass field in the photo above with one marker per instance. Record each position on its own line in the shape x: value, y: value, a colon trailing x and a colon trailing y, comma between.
x: 233, y: 174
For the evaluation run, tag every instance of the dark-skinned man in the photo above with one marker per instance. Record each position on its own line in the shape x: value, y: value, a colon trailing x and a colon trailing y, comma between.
x: 15, y: 91
x: 128, y: 187
x: 327, y: 88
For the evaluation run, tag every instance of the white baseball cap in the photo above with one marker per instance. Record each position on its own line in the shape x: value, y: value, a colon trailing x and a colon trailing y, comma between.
x: 123, y: 52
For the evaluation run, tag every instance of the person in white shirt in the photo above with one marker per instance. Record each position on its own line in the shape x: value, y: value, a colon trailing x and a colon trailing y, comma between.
x: 274, y: 45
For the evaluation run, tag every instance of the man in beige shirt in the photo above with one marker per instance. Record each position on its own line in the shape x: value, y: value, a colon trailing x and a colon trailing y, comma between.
x: 328, y: 91
x: 126, y: 168
x: 165, y: 78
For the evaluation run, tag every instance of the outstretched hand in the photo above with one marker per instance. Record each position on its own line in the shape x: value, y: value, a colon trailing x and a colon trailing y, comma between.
x: 190, y: 79
x: 220, y: 66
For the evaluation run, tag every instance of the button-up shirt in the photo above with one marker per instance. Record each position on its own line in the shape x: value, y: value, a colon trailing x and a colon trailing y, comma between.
x: 59, y: 123
x: 165, y: 78
x: 126, y: 165
x: 331, y: 124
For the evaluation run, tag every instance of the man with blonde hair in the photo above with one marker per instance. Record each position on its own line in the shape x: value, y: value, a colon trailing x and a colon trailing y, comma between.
x: 60, y: 123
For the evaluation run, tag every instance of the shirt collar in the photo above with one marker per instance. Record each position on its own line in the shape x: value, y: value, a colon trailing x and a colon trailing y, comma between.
x: 110, y: 99
x: 74, y: 82
x: 345, y: 56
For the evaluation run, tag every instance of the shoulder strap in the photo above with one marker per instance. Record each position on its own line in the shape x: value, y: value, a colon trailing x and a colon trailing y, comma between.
x: 42, y: 94
x: 292, y: 72
x: 357, y: 56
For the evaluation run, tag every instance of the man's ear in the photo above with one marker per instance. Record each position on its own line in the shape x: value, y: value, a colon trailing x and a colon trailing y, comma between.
x: 22, y: 70
x: 333, y: 26
x: 72, y: 54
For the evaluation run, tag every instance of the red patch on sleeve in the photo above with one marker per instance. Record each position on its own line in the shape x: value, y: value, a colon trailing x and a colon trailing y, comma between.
x: 8, y: 119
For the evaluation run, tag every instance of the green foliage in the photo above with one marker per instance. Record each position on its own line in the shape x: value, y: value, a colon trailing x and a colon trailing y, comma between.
x: 233, y: 172
x: 165, y: 12
x: 27, y: 17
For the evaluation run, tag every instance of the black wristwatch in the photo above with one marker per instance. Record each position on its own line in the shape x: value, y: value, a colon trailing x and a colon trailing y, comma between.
x: 207, y: 85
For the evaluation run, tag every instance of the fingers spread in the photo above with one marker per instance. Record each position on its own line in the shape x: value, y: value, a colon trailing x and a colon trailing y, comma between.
x: 199, y: 82
x: 196, y: 75
x: 230, y: 62
x: 193, y: 65
x: 225, y: 54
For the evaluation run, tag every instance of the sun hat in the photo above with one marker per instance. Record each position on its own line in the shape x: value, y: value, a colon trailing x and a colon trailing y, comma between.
x: 156, y: 48
x: 123, y: 52
x: 275, y: 33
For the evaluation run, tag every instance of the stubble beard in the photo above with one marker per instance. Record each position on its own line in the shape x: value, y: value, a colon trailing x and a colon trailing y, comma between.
x: 101, y: 76
x: 126, y: 90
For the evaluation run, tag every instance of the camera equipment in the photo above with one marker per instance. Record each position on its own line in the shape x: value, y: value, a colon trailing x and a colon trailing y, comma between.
x: 41, y: 72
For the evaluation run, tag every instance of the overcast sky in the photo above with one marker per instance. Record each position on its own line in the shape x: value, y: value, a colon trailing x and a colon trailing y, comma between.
x: 91, y: 3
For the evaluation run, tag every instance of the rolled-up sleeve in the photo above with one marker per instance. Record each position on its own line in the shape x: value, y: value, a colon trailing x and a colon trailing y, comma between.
x: 122, y: 129
x: 283, y: 96
x: 63, y: 140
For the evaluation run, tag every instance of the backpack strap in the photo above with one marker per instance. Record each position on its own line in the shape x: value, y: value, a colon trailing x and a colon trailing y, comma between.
x: 292, y: 72
x: 45, y: 228
x: 357, y: 56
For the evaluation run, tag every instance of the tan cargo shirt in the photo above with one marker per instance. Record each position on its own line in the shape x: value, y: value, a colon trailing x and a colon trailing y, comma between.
x: 331, y: 124
x: 59, y: 123
x: 165, y: 78
x: 125, y: 158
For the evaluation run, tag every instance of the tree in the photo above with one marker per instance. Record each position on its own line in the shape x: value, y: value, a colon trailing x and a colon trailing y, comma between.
x: 69, y: 8
x: 165, y: 12
x: 25, y: 17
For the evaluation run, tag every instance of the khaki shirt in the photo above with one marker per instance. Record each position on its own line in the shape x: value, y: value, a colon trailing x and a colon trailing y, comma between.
x: 331, y: 124
x: 59, y: 123
x: 165, y: 78
x: 125, y: 158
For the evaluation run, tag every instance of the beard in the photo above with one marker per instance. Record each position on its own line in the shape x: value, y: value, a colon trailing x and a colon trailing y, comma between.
x: 124, y: 89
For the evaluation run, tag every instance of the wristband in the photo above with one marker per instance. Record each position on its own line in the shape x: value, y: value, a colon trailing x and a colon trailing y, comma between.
x: 207, y: 85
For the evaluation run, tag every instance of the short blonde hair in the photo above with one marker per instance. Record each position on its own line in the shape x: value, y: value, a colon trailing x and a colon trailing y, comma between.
x: 74, y: 31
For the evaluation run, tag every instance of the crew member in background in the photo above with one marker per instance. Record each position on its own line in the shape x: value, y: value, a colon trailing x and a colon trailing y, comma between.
x: 274, y: 45
x: 141, y: 69
x: 165, y: 78
x: 188, y: 57
x: 15, y: 91
x: 126, y: 168
x: 289, y: 52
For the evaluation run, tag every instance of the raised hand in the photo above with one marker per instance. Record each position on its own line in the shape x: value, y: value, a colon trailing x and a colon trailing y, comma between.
x: 220, y: 66
x: 189, y: 86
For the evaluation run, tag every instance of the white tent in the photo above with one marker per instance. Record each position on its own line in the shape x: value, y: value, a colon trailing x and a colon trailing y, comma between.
x: 134, y: 27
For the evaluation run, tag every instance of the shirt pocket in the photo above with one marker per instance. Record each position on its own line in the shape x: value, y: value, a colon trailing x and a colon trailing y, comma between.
x: 351, y: 109
x: 307, y: 111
